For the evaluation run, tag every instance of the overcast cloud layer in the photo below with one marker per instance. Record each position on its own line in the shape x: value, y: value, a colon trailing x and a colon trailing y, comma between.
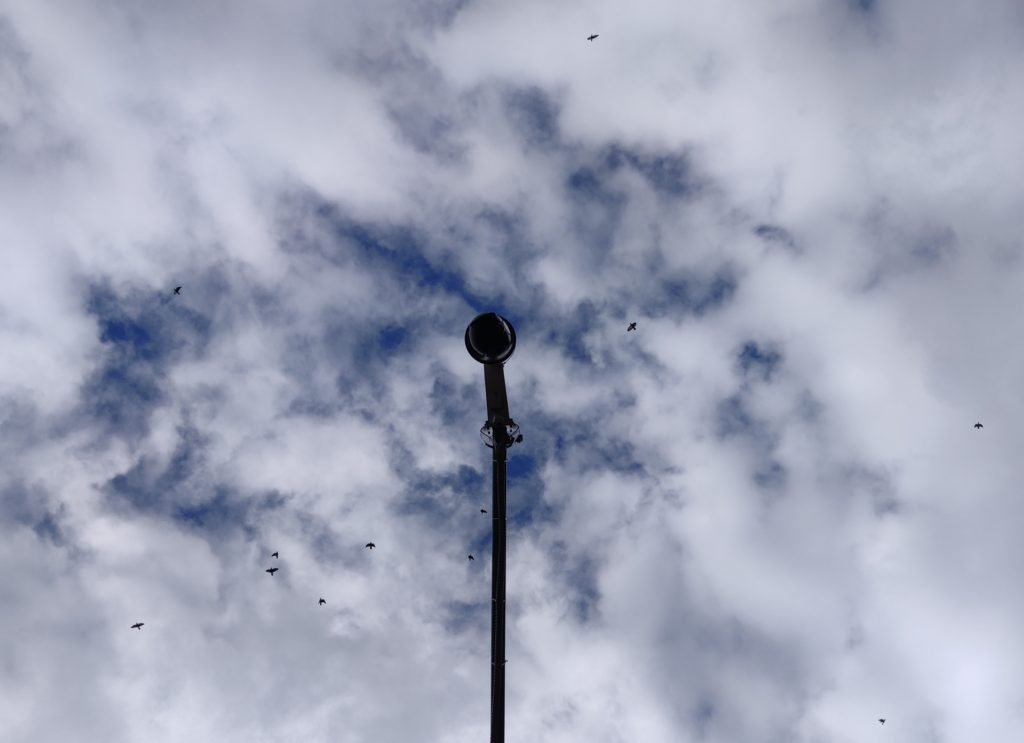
x: 765, y: 516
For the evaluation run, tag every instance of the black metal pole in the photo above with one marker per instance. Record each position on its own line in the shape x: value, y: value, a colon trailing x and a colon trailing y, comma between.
x: 491, y: 339
x: 498, y: 508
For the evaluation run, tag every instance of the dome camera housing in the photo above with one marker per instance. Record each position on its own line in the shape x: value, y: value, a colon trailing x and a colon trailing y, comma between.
x: 490, y: 338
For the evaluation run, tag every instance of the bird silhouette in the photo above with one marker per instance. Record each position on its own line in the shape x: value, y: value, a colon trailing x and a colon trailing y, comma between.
x: 632, y: 326
x: 483, y: 510
x: 138, y: 625
x: 592, y: 37
x: 273, y: 554
x: 978, y: 425
x: 322, y: 602
x: 272, y: 571
x: 881, y: 720
x: 177, y: 290
x: 370, y: 545
x: 471, y: 557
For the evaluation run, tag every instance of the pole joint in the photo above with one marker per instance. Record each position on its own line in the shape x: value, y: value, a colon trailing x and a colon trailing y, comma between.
x: 508, y: 432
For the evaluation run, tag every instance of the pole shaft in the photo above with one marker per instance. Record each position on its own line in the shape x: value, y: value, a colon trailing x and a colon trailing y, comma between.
x: 498, y: 519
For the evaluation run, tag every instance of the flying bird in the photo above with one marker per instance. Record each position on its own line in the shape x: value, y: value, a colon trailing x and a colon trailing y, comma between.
x: 632, y: 326
x: 272, y: 571
x: 483, y: 510
x: 471, y: 557
x: 273, y: 554
x: 978, y: 425
x: 370, y: 545
x: 881, y: 720
x: 177, y: 290
x: 322, y: 602
x: 138, y: 625
x: 592, y: 37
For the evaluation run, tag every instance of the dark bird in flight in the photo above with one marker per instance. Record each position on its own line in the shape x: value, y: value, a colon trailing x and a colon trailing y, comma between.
x: 138, y: 625
x: 978, y: 425
x: 592, y: 37
x: 177, y: 290
x: 632, y: 326
x: 272, y: 571
x: 370, y: 545
x: 881, y: 720
x: 483, y: 510
x: 322, y: 602
x: 471, y: 557
x: 273, y: 554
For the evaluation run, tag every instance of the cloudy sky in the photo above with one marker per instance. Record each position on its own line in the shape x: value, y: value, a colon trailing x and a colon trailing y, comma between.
x: 765, y: 516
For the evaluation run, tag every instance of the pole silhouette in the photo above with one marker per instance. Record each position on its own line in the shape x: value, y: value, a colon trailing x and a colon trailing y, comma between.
x: 490, y: 339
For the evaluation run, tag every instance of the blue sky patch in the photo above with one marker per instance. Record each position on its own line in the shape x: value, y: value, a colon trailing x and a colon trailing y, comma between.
x: 426, y: 130
x: 29, y: 506
x: 577, y: 573
x: 669, y: 173
x: 519, y: 465
x: 396, y: 250
x: 214, y: 514
x: 125, y: 331
x: 770, y: 476
x: 570, y: 330
x: 151, y: 487
x: 448, y: 502
x: 597, y: 209
x: 772, y: 233
x: 466, y: 616
x: 141, y: 336
x: 526, y: 504
x: 693, y: 294
x: 122, y: 396
x: 391, y: 337
x: 758, y: 362
x: 703, y: 714
x: 224, y: 511
x: 48, y: 529
x: 534, y: 115
x: 458, y: 404
x: 587, y: 184
x: 732, y: 418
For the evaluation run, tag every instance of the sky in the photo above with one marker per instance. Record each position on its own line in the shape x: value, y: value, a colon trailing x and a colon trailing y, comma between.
x: 763, y: 516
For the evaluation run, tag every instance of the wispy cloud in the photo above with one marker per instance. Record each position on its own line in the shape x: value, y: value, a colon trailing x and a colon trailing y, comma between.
x: 762, y: 515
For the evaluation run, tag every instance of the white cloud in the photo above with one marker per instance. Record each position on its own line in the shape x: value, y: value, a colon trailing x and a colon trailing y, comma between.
x: 788, y: 552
